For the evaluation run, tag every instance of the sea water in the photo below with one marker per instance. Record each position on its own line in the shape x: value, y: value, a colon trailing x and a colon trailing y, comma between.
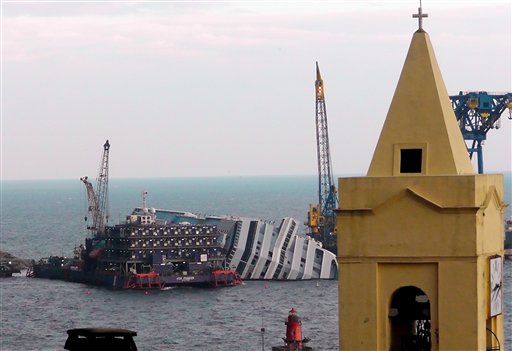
x: 42, y: 218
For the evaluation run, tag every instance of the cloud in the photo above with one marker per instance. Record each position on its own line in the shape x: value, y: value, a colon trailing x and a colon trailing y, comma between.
x: 233, y: 79
x: 188, y: 33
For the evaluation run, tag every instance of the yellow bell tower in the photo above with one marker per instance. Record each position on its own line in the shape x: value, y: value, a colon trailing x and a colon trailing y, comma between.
x: 420, y: 238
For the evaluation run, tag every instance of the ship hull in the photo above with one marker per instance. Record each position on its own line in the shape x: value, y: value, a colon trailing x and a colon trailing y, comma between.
x: 77, y: 276
x: 115, y: 281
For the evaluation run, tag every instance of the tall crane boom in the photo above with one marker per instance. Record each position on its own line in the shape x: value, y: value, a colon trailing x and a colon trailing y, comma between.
x: 477, y: 113
x: 98, y: 201
x: 321, y: 218
x: 326, y: 190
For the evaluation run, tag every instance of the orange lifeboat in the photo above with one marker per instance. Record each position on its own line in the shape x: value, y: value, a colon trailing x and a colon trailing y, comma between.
x: 144, y: 281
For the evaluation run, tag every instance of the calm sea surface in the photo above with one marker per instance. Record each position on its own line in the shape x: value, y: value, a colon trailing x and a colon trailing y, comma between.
x: 42, y: 218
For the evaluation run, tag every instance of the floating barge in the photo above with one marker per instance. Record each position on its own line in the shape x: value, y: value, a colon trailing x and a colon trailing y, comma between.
x: 144, y: 253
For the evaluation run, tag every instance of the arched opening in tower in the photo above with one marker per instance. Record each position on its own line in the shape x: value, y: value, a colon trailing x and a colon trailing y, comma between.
x: 409, y: 320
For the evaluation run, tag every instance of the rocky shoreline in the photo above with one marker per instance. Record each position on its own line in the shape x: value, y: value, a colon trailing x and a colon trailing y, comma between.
x: 16, y: 263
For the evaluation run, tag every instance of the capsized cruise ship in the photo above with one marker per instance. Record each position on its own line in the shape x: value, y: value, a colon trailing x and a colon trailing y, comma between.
x: 156, y: 248
x: 258, y: 249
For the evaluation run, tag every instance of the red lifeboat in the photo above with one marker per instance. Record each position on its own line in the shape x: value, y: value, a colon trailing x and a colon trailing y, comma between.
x: 293, y: 340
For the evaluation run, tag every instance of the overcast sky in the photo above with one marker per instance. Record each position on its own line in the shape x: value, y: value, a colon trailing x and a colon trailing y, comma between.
x: 202, y: 88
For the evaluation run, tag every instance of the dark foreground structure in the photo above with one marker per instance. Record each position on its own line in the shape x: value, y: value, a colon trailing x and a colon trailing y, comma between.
x: 100, y: 339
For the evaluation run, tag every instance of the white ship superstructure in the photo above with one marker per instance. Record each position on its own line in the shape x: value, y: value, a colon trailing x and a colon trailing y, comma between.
x: 264, y: 250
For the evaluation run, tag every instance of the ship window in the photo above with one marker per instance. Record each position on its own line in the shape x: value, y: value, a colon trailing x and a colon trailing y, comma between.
x: 410, y: 160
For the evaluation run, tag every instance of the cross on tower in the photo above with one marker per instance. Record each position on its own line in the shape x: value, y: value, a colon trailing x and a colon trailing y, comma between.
x: 420, y: 15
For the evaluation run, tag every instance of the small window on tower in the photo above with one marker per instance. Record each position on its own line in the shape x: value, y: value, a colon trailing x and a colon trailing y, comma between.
x: 410, y: 160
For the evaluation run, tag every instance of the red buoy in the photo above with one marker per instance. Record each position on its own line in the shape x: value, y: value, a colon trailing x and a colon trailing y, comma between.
x: 293, y: 340
x: 293, y: 327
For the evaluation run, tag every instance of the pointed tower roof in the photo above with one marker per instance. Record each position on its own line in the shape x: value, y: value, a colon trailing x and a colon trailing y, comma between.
x: 420, y: 134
